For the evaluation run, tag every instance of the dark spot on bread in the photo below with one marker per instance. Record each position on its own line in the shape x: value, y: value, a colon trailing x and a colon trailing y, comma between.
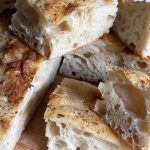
x: 71, y: 8
x: 78, y: 148
x: 88, y: 55
x: 141, y: 64
x: 127, y: 50
x: 132, y: 46
x: 117, y: 107
x: 73, y: 73
x: 60, y: 115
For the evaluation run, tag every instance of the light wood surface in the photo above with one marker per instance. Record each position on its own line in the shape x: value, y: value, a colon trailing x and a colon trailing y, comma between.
x: 33, y: 138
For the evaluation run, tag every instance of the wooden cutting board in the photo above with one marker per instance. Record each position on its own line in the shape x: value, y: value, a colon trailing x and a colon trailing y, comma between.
x: 33, y: 138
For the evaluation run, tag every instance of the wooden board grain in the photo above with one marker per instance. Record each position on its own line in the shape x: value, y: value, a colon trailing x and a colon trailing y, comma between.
x: 33, y: 138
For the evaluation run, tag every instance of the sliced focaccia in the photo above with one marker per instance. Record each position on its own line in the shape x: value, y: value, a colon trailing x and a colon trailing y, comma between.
x: 132, y: 25
x: 92, y: 62
x: 72, y: 123
x: 57, y: 27
x: 127, y: 98
x: 24, y: 78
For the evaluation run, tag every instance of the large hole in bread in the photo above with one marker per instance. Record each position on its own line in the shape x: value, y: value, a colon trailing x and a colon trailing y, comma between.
x: 54, y: 129
x: 64, y: 26
x: 133, y: 99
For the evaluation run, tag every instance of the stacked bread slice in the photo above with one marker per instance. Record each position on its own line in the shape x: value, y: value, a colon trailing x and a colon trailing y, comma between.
x: 52, y: 28
x: 24, y: 78
x: 72, y: 123
x: 126, y: 82
x: 127, y: 95
x: 57, y: 27
x: 93, y: 61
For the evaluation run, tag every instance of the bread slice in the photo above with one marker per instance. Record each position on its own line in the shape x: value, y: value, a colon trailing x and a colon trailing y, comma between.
x: 6, y: 4
x: 57, y: 27
x: 127, y: 96
x: 71, y: 122
x: 24, y: 78
x: 132, y: 25
x: 93, y: 61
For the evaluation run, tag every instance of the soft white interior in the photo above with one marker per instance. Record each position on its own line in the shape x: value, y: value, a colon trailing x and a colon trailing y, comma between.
x: 66, y: 137
x: 92, y: 62
x: 126, y: 110
x: 82, y: 26
x: 41, y: 81
x: 86, y: 25
x: 133, y: 25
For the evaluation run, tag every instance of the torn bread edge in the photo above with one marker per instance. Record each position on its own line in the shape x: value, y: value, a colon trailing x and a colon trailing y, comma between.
x: 71, y: 122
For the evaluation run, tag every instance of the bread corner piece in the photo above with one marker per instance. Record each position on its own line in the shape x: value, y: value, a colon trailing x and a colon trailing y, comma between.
x: 24, y: 78
x: 71, y: 122
x: 132, y: 25
x: 57, y: 27
x: 127, y: 95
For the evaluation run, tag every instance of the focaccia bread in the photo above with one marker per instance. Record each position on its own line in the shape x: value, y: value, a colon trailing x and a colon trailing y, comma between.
x: 93, y: 61
x: 132, y: 25
x: 24, y: 78
x: 127, y: 98
x: 72, y: 123
x: 55, y: 27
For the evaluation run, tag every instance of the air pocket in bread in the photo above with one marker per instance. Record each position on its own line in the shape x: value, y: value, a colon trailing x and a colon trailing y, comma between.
x: 55, y: 27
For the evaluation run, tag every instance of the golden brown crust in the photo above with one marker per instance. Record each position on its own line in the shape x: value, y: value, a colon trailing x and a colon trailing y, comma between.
x: 56, y: 10
x: 136, y: 78
x: 18, y: 65
x: 72, y: 104
x: 82, y: 119
x: 111, y: 39
x: 70, y: 92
